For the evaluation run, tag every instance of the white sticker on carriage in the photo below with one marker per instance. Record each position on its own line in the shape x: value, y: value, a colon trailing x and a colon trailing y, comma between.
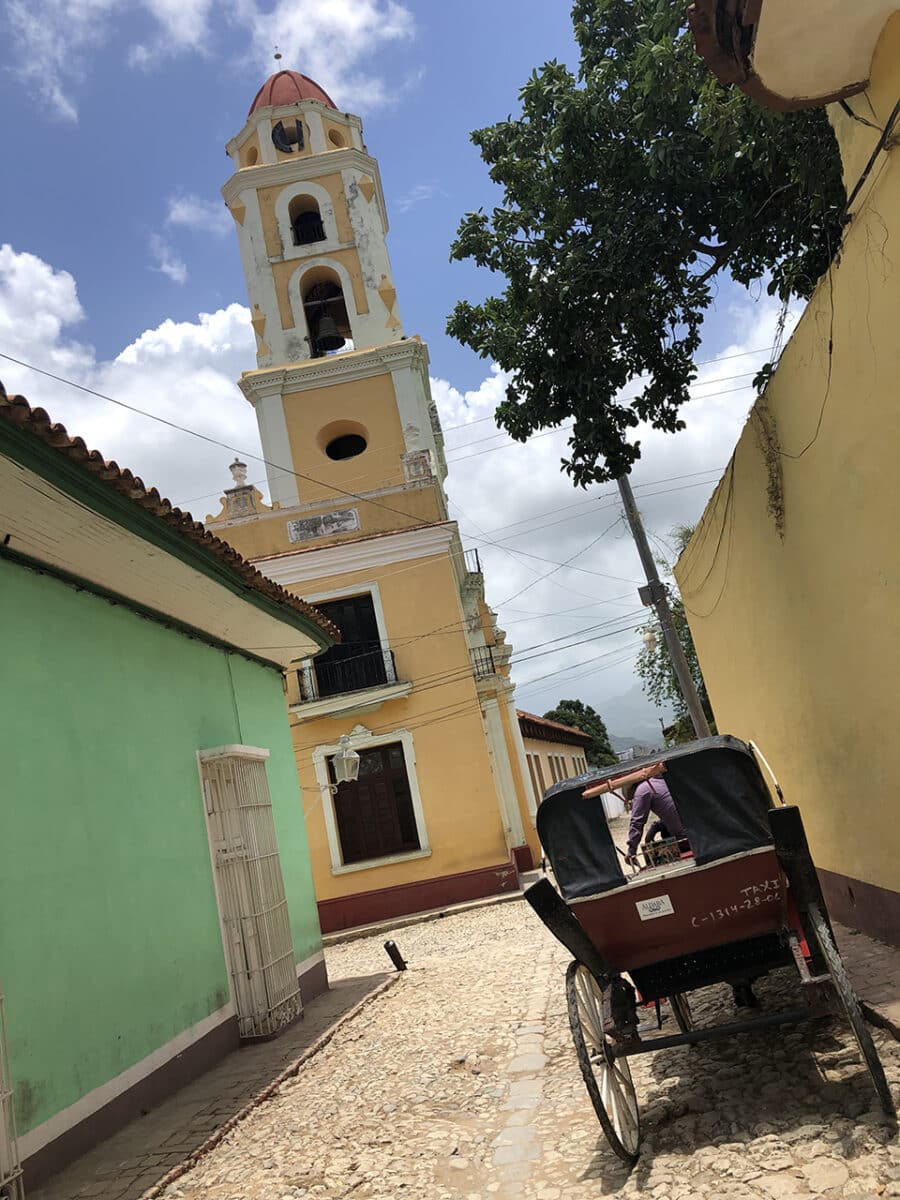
x: 655, y: 906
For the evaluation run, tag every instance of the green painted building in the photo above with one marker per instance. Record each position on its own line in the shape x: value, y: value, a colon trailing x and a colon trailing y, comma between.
x: 157, y: 902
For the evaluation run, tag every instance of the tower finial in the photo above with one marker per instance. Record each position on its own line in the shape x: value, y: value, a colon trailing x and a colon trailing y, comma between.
x: 277, y: 54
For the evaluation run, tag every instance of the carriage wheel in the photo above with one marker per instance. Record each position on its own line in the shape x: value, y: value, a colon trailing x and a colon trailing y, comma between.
x: 607, y: 1079
x: 851, y: 1007
x: 681, y: 1011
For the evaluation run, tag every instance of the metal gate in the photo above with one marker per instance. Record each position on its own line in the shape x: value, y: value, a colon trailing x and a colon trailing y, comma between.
x: 250, y: 889
x: 10, y: 1168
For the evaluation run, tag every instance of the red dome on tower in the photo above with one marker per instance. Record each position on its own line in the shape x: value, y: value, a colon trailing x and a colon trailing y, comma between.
x: 289, y: 87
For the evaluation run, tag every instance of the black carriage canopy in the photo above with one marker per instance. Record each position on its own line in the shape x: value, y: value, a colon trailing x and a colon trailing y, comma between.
x: 716, y: 784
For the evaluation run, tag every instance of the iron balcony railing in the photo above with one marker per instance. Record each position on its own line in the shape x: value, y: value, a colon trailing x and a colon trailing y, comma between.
x: 356, y: 669
x: 483, y: 662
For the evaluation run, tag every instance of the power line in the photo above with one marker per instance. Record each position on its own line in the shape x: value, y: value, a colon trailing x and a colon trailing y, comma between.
x: 561, y: 670
x: 565, y: 428
x: 203, y: 437
x: 259, y: 458
x: 703, y: 362
x: 612, y: 493
x: 613, y: 504
x: 517, y: 554
x: 541, y: 684
x: 439, y: 715
x: 567, y: 563
x: 426, y: 682
x: 530, y: 614
x: 620, y: 400
x: 300, y: 475
x: 466, y: 425
x: 534, y: 529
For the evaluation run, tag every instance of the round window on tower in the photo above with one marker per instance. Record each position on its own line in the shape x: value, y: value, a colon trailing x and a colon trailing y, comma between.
x: 348, y: 445
x: 343, y: 439
x: 336, y: 138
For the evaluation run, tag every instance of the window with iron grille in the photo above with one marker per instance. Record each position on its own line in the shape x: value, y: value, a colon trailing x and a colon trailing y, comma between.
x: 482, y: 662
x: 374, y: 814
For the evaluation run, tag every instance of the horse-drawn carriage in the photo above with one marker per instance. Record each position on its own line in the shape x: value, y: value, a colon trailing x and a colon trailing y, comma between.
x: 744, y: 900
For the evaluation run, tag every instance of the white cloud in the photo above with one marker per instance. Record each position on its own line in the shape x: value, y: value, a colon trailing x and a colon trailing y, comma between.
x: 181, y: 25
x: 167, y: 261
x: 511, y: 501
x: 493, y: 488
x: 419, y: 194
x: 183, y: 372
x: 207, y: 216
x: 53, y: 40
x: 329, y: 42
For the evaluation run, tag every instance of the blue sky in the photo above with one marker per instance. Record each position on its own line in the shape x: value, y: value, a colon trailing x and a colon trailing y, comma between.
x: 119, y: 269
x: 98, y: 168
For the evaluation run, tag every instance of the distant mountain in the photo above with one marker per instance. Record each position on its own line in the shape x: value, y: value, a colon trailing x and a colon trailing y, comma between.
x: 625, y: 743
x: 635, y: 719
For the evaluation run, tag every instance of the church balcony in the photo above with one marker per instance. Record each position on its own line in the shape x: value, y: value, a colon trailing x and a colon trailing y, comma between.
x: 472, y: 579
x: 483, y: 662
x: 347, y: 676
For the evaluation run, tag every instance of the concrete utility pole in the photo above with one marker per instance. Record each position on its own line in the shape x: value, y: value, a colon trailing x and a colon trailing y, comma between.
x: 655, y: 593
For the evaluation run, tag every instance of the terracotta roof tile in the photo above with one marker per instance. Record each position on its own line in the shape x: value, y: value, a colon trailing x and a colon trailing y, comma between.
x: 579, y: 734
x: 16, y: 410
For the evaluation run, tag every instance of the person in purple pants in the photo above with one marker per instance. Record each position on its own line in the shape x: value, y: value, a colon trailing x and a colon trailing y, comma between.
x: 652, y: 796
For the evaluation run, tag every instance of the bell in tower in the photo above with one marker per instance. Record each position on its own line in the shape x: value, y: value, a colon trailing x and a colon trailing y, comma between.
x: 324, y: 307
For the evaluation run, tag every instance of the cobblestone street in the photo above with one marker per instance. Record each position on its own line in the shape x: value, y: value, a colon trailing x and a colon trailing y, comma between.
x: 461, y: 1081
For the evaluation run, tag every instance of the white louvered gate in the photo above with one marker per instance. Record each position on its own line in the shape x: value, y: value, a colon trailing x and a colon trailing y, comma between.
x: 10, y: 1169
x: 250, y: 889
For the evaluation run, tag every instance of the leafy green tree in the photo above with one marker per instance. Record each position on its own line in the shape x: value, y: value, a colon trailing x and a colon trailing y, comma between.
x: 628, y: 188
x: 574, y: 712
x: 654, y: 665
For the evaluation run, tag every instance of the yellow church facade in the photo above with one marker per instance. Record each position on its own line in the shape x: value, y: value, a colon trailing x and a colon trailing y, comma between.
x: 358, y: 524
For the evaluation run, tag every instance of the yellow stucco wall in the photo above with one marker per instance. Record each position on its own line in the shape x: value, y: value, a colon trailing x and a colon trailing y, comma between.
x: 268, y: 197
x: 524, y: 796
x: 283, y: 274
x: 250, y: 155
x: 540, y: 752
x: 455, y: 780
x: 336, y: 130
x: 263, y: 536
x: 369, y: 408
x: 799, y: 637
x: 365, y: 406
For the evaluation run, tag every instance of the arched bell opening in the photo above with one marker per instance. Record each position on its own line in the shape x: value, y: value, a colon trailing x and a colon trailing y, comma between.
x: 326, y: 312
x: 306, y: 221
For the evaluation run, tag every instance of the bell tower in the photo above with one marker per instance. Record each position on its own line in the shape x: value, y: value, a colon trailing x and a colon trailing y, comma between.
x: 357, y: 524
x: 341, y: 394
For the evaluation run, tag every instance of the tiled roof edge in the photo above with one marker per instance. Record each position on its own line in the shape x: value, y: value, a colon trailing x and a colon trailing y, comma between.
x: 557, y: 725
x: 16, y: 410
